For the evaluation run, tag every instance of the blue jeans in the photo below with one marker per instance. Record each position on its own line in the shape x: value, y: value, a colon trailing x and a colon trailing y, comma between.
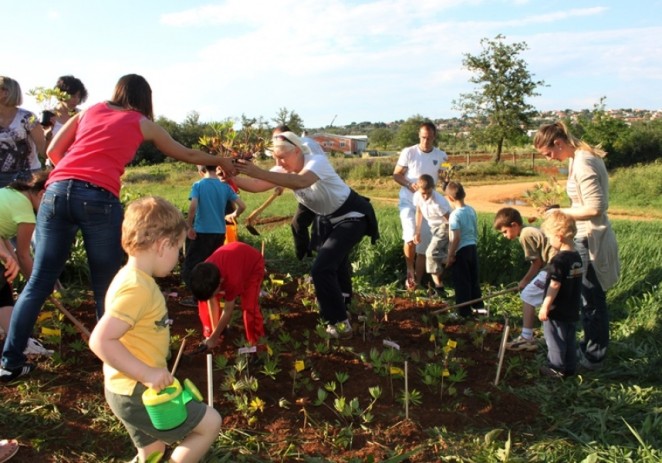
x: 594, y: 313
x: 560, y: 337
x: 67, y: 206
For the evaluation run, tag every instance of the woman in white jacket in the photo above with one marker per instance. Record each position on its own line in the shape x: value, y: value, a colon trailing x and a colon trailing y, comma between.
x: 588, y: 189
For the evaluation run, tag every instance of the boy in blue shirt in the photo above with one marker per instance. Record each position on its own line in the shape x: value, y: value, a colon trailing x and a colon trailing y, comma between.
x: 462, y: 250
x: 206, y: 221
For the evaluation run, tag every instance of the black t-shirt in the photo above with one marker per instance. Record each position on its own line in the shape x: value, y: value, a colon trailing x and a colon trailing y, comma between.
x: 566, y: 268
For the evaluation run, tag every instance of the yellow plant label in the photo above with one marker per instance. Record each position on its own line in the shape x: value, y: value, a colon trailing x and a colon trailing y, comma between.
x: 452, y: 344
x: 44, y: 316
x: 445, y: 373
x: 299, y: 365
x: 396, y: 371
x: 51, y: 332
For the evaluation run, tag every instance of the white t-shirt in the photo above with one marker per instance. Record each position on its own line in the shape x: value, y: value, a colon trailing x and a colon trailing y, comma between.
x: 434, y: 208
x: 328, y: 193
x: 418, y: 163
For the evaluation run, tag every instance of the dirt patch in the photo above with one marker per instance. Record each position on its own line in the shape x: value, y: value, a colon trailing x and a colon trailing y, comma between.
x: 491, y: 198
x: 291, y: 414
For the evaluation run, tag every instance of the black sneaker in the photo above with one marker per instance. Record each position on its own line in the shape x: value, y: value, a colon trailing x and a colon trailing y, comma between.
x: 10, y: 374
x: 441, y: 292
x: 188, y: 302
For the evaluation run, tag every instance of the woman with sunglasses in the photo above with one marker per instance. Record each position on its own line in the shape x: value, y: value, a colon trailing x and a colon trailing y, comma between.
x: 343, y: 219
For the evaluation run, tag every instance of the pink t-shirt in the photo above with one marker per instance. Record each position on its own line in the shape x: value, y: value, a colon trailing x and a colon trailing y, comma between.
x: 106, y: 141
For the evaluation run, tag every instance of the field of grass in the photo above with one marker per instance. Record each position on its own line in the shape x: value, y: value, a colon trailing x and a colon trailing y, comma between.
x: 610, y: 415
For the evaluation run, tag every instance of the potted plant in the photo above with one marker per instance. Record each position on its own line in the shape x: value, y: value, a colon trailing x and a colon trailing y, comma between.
x: 49, y: 99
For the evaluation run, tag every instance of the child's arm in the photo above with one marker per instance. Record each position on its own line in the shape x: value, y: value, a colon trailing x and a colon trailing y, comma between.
x: 552, y: 291
x: 534, y: 269
x: 105, y: 343
x: 8, y: 262
x: 226, y: 316
x: 419, y: 222
x: 190, y: 217
x: 239, y: 208
x: 453, y: 243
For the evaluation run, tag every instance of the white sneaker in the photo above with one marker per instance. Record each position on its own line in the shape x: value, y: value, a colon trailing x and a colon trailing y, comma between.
x: 35, y: 347
x: 341, y: 330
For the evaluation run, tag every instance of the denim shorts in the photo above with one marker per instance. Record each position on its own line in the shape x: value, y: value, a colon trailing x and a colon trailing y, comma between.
x: 534, y: 293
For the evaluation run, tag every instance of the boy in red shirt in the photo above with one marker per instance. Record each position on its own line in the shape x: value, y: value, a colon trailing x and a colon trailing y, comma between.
x: 233, y: 270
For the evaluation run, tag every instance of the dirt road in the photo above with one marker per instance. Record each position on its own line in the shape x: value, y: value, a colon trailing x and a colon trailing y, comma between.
x: 491, y: 198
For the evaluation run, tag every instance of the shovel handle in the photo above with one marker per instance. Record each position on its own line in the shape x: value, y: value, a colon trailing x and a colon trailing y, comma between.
x: 79, y: 326
x: 473, y: 301
x: 253, y: 215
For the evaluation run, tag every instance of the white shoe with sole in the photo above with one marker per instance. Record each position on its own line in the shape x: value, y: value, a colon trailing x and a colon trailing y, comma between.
x: 35, y: 347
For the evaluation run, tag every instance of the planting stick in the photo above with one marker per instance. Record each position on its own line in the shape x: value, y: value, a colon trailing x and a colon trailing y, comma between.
x: 262, y: 248
x: 473, y: 301
x: 406, y: 391
x: 79, y: 326
x: 179, y: 356
x: 502, y: 352
x: 210, y: 383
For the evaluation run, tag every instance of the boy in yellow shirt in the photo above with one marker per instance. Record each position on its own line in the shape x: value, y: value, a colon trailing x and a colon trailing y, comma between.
x: 133, y: 336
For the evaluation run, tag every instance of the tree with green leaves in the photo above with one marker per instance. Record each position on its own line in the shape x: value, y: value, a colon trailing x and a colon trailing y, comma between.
x: 600, y: 128
x: 407, y: 134
x: 290, y: 119
x: 381, y: 137
x: 499, y: 103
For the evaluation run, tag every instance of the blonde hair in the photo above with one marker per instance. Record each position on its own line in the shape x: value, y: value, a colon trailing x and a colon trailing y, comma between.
x: 558, y: 223
x: 14, y: 95
x: 547, y: 134
x: 148, y: 220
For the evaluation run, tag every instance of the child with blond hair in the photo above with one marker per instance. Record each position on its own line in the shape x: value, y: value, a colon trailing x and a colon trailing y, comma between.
x: 563, y: 296
x: 133, y: 336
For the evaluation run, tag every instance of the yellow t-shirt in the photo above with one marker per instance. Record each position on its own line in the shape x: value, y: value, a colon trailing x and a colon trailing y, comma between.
x: 135, y: 298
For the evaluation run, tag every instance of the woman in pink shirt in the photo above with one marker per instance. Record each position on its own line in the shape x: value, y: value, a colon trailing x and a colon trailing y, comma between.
x: 82, y: 193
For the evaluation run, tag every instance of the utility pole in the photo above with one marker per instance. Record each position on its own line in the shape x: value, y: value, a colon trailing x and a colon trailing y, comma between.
x: 332, y: 121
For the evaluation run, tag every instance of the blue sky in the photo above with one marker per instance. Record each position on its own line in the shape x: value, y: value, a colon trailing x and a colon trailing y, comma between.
x: 352, y: 60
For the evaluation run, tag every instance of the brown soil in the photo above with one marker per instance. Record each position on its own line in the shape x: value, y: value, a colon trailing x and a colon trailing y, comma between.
x: 476, y: 404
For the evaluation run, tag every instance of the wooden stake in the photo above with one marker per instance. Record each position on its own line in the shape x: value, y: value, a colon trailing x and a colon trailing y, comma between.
x: 502, y: 352
x: 79, y: 326
x: 406, y: 391
x: 210, y: 382
x: 179, y: 356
